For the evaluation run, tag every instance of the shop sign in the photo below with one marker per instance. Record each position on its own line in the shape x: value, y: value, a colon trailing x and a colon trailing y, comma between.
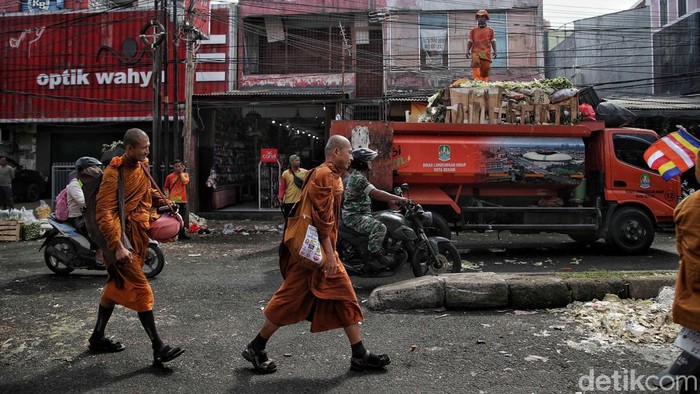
x: 268, y: 155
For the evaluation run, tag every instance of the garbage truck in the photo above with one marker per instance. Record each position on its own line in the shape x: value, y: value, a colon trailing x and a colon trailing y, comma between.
x: 585, y: 180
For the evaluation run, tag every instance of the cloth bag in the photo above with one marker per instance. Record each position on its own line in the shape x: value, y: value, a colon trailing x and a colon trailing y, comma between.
x: 301, y: 236
x: 167, y: 227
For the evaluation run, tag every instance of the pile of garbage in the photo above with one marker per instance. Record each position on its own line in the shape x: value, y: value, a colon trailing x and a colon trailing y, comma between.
x: 229, y: 228
x: 616, y: 320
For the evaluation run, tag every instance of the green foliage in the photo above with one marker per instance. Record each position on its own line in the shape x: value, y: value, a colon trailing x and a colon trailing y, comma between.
x: 114, y: 145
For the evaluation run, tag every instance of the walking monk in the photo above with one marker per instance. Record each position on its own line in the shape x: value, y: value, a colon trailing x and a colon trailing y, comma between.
x: 324, y: 297
x: 127, y: 285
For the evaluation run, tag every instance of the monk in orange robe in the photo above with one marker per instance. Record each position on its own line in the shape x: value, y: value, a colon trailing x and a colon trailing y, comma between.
x: 127, y: 285
x: 325, y: 297
x: 686, y: 302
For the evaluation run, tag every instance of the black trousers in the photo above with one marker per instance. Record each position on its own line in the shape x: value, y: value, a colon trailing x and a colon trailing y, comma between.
x: 182, y: 210
x: 286, y: 209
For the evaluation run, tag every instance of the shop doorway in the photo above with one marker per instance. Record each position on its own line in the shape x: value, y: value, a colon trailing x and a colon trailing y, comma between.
x: 231, y: 153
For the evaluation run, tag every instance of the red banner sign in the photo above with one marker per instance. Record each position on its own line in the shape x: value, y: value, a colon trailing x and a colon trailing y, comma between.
x: 268, y: 155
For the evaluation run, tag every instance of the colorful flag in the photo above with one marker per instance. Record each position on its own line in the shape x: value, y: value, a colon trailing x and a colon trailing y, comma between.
x: 672, y: 154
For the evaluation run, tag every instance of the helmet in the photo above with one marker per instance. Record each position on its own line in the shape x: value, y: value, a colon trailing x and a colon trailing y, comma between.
x: 482, y: 13
x: 361, y: 158
x: 364, y: 154
x: 85, y: 162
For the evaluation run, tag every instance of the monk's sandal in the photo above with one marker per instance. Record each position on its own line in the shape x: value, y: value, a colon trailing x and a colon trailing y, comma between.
x: 105, y: 345
x: 370, y: 361
x: 259, y: 360
x: 166, y: 354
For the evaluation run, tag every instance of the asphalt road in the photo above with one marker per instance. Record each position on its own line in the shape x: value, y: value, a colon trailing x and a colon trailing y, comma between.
x: 209, y: 299
x: 506, y: 252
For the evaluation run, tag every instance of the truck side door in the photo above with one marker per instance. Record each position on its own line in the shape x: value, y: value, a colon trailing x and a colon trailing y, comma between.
x: 630, y: 180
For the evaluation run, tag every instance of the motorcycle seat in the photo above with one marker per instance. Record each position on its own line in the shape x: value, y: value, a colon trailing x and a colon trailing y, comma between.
x: 350, y: 231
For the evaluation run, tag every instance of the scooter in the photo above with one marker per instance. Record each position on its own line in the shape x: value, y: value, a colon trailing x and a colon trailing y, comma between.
x: 66, y: 250
x: 406, y: 241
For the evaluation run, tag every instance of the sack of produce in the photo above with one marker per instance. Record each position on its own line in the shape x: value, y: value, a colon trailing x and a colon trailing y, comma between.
x: 614, y: 115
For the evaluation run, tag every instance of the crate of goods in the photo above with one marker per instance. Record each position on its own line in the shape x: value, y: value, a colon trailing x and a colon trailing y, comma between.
x: 10, y: 230
x: 495, y: 106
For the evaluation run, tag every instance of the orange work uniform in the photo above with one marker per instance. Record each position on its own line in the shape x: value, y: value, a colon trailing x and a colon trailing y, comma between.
x: 328, y: 302
x: 127, y: 285
x: 481, y: 38
x: 175, y: 186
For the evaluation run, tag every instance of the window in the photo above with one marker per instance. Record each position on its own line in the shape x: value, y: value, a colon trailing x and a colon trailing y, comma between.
x: 682, y: 7
x: 630, y: 148
x: 663, y: 12
x: 433, y: 41
x: 296, y: 46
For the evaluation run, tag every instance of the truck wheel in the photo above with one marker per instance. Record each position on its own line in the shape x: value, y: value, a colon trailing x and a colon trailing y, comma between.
x: 631, y: 231
x: 440, y: 227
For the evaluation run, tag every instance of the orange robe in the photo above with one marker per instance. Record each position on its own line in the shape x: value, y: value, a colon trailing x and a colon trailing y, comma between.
x: 686, y: 304
x: 328, y: 302
x: 127, y: 285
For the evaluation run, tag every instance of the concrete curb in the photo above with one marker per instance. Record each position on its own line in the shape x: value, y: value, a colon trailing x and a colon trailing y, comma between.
x: 485, y: 290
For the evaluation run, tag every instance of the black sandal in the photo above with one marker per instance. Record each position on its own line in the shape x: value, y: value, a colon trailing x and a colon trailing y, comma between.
x: 370, y: 361
x: 105, y: 345
x: 166, y: 354
x: 259, y: 360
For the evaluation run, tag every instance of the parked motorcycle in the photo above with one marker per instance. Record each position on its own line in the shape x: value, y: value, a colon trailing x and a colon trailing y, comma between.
x: 66, y: 250
x: 405, y: 241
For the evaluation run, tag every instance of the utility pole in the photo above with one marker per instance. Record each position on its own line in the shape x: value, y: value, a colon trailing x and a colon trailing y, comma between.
x: 188, y: 151
x: 157, y: 100
x: 165, y: 147
x: 176, y: 86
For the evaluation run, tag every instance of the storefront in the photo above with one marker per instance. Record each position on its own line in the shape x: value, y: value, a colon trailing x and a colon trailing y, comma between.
x: 237, y: 169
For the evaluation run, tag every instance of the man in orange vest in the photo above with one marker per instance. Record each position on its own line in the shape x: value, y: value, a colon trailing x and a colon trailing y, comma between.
x: 481, y: 39
x: 175, y: 189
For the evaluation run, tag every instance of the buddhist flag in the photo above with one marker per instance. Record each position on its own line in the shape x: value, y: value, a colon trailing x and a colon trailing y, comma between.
x: 672, y: 154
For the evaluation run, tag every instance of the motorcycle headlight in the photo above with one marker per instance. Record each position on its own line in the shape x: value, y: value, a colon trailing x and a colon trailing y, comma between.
x: 427, y: 219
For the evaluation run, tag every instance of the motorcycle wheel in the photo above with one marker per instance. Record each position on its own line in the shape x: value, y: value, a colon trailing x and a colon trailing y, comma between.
x: 54, y: 264
x: 154, y: 261
x: 421, y: 262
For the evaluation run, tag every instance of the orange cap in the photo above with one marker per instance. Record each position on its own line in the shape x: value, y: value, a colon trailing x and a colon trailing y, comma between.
x: 482, y: 13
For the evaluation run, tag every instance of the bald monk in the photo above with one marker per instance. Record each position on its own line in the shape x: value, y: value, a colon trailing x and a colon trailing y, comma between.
x: 127, y: 285
x: 324, y: 297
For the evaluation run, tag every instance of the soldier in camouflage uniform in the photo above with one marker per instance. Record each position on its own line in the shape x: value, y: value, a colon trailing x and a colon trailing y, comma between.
x: 357, y: 210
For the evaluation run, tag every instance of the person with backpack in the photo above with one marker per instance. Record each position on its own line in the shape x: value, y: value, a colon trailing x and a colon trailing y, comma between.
x: 291, y: 182
x: 127, y: 244
x: 75, y: 198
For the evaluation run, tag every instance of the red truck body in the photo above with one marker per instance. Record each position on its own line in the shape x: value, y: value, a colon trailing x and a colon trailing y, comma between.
x: 584, y: 180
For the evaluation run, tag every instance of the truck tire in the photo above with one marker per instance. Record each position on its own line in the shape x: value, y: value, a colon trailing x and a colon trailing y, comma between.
x: 631, y: 231
x: 440, y: 227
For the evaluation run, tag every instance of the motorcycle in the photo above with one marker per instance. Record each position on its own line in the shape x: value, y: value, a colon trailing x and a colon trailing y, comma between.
x: 405, y: 241
x: 65, y: 250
